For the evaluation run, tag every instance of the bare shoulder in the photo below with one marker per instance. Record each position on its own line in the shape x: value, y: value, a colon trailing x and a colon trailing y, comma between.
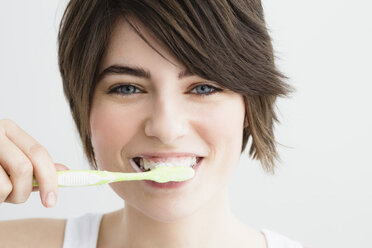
x: 39, y: 232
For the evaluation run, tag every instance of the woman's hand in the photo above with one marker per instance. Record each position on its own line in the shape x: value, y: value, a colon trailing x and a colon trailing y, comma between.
x: 21, y: 158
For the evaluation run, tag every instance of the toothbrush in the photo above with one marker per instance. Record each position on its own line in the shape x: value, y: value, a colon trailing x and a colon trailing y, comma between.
x: 161, y: 174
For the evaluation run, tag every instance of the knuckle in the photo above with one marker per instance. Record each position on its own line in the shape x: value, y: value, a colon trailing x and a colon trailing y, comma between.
x: 5, y: 190
x: 23, y: 168
x: 37, y: 150
x: 6, y: 124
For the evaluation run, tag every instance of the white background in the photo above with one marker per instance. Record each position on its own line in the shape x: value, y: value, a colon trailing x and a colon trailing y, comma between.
x: 321, y: 194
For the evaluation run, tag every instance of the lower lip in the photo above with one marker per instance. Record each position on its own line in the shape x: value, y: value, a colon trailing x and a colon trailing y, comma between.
x: 172, y: 185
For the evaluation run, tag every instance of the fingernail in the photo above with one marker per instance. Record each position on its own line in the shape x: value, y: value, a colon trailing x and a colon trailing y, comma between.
x: 50, y: 199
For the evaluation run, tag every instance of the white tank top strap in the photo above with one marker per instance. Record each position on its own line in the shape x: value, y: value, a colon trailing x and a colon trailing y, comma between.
x: 276, y: 240
x: 82, y: 231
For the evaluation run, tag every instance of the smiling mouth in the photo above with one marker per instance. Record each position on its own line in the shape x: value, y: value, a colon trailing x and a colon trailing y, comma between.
x: 144, y: 164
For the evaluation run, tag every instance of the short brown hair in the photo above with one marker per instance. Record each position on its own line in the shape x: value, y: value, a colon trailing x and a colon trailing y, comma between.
x: 225, y: 41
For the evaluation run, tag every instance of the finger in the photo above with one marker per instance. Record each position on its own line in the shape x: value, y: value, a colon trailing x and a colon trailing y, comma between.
x: 59, y: 167
x: 19, y: 169
x: 43, y: 166
x: 5, y: 185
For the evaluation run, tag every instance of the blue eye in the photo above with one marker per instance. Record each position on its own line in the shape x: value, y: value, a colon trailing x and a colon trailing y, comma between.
x: 124, y: 89
x: 127, y: 90
x: 205, y: 89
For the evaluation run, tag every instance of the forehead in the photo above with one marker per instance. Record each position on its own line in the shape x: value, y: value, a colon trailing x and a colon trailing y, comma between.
x: 126, y: 47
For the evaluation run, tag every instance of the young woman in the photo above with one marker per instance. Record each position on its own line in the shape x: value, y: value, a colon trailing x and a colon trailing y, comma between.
x: 150, y: 82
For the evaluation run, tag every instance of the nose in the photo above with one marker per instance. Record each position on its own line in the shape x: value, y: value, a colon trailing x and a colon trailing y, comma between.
x: 167, y: 121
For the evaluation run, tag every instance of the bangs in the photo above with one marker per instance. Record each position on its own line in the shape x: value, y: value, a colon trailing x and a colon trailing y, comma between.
x: 216, y: 40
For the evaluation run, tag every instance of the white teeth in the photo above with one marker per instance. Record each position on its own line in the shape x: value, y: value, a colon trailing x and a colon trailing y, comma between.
x: 184, y: 161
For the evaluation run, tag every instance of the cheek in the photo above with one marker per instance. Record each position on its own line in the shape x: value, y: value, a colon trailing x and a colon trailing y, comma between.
x: 223, y: 126
x: 223, y: 129
x: 110, y: 130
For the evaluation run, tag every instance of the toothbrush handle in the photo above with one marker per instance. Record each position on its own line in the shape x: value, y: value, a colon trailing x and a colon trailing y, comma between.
x: 77, y: 178
x: 120, y: 176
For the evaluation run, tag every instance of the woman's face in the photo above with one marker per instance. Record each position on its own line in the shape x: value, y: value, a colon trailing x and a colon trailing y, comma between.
x: 162, y: 114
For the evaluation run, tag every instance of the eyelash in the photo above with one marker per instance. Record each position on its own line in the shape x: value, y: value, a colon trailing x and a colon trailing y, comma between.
x: 115, y: 90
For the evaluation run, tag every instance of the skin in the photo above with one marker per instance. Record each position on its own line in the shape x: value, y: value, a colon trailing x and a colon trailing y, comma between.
x: 167, y: 114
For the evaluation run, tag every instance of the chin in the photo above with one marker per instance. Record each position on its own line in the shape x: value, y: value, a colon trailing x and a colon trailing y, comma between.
x: 163, y: 208
x: 168, y: 214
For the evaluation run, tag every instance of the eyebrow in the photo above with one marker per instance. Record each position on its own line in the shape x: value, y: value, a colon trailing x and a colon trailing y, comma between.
x: 134, y: 71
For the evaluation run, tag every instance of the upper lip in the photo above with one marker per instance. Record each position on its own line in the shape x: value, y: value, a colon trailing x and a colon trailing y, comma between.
x: 166, y: 154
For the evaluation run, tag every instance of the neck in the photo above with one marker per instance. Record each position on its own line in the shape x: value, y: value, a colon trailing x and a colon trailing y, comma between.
x: 211, y: 226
